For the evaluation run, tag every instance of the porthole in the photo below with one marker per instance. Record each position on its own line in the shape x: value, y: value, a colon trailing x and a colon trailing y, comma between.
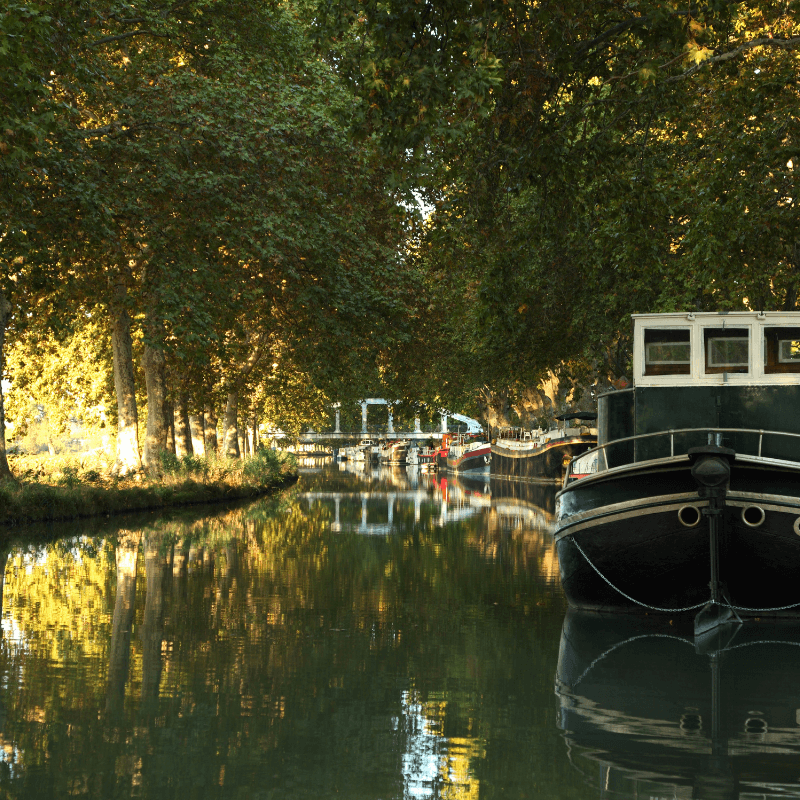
x: 753, y: 516
x: 689, y: 516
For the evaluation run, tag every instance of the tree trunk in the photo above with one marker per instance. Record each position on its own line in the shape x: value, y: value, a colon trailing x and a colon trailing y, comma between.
x: 128, y: 458
x: 169, y: 419
x: 210, y: 430
x: 183, y: 436
x: 5, y: 314
x: 256, y: 442
x: 196, y: 431
x: 230, y: 444
x: 156, y: 436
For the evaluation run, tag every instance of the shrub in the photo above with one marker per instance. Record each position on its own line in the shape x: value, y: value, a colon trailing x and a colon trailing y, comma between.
x: 69, y: 476
x: 170, y: 464
x: 91, y: 476
x: 193, y: 465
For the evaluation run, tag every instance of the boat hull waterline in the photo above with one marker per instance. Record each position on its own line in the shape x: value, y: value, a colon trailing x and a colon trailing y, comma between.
x: 638, y: 540
x: 476, y: 460
x: 513, y: 459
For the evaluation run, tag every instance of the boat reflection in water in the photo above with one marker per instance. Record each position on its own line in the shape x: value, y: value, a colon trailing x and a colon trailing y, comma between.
x: 390, y: 499
x: 648, y: 713
x: 525, y: 498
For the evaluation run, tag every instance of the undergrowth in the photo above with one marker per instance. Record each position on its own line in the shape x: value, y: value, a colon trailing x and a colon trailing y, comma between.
x: 67, y: 487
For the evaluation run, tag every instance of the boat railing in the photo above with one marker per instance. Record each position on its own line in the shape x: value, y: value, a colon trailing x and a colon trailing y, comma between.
x: 653, y: 446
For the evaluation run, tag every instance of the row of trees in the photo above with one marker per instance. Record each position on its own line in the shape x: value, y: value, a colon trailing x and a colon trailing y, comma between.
x: 220, y: 190
x: 183, y: 195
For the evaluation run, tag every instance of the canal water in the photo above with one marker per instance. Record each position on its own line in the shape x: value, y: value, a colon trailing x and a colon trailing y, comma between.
x: 375, y: 635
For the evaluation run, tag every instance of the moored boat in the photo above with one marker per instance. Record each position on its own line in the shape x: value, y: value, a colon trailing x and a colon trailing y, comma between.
x: 365, y: 450
x: 442, y: 451
x: 394, y: 452
x: 692, y: 497
x: 543, y: 455
x: 420, y: 456
x: 469, y: 453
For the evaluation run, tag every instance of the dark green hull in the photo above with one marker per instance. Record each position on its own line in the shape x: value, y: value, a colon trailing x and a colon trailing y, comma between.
x: 627, y: 525
x: 625, y: 518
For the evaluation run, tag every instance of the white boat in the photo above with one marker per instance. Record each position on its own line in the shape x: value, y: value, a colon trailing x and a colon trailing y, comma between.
x: 365, y: 450
x: 394, y: 452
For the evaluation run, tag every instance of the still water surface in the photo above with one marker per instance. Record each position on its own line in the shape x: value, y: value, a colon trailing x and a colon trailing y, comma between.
x: 379, y: 635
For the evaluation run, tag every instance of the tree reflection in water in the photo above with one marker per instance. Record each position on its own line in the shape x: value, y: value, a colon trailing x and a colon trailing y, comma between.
x: 259, y: 653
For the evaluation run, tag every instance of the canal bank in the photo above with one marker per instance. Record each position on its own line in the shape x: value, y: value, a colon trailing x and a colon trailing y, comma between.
x: 63, y: 492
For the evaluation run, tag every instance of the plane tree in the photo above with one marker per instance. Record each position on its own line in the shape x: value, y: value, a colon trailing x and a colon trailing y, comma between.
x: 211, y: 188
x: 584, y: 161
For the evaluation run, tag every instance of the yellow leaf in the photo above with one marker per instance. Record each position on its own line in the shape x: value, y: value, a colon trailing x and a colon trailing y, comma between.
x: 697, y: 54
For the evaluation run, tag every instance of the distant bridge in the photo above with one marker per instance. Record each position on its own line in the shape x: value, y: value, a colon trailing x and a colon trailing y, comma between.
x: 389, y: 433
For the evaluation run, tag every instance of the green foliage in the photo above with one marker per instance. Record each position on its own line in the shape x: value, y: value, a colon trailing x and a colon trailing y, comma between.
x: 266, y: 464
x: 239, y: 192
x: 629, y: 159
x: 64, y: 379
x: 197, y: 169
x: 170, y: 463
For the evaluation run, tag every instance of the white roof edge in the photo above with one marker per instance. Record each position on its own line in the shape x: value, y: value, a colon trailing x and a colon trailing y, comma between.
x: 700, y: 314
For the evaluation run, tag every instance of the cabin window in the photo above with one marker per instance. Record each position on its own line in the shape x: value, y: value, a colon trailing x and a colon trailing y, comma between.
x: 781, y: 350
x: 727, y: 350
x: 667, y: 351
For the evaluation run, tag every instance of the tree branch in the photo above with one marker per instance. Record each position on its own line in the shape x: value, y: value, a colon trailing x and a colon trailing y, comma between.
x: 128, y: 35
x: 764, y: 41
x: 116, y: 129
x: 620, y: 27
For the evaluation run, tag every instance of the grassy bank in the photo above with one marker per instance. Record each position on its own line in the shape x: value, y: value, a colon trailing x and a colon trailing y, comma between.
x: 70, y: 487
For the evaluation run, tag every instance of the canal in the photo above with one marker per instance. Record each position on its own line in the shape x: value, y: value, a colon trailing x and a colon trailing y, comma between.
x: 375, y: 635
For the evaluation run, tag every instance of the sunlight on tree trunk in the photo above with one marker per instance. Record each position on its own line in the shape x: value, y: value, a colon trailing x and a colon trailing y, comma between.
x: 196, y: 433
x: 183, y: 437
x: 128, y: 459
x: 210, y: 430
x: 169, y: 421
x: 230, y: 444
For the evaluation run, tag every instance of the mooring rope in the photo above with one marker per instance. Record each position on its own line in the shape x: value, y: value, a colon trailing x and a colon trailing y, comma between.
x: 627, y: 596
x: 675, y: 610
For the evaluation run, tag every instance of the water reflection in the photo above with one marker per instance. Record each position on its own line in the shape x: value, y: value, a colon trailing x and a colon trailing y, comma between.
x: 287, y: 650
x: 432, y: 498
x: 263, y: 651
x: 646, y: 713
